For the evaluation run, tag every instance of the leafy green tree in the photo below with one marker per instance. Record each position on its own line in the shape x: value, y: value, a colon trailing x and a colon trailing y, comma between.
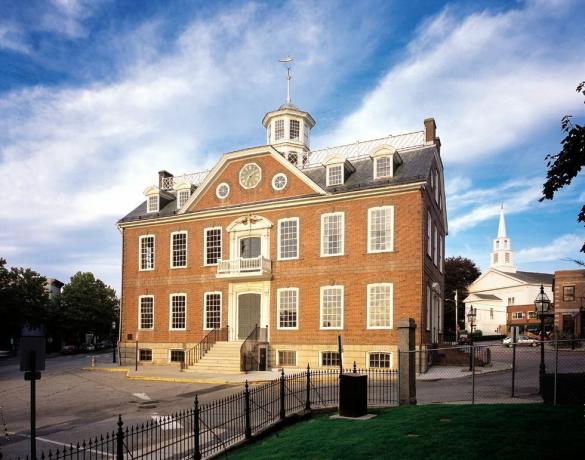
x: 564, y: 166
x: 460, y: 272
x: 86, y: 305
x: 23, y: 301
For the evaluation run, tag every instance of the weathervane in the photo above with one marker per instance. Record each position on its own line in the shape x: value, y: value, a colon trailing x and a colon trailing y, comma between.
x: 287, y: 61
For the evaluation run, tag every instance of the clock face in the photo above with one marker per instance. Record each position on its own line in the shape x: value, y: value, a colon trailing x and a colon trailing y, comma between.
x: 250, y: 175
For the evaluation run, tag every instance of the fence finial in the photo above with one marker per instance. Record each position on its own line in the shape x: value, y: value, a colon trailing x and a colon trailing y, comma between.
x: 282, y: 372
x: 196, y: 401
x: 246, y: 385
x: 354, y: 368
x: 120, y: 422
x: 308, y: 367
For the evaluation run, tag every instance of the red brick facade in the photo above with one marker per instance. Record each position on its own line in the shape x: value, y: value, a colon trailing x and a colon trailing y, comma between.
x: 569, y: 292
x: 407, y: 267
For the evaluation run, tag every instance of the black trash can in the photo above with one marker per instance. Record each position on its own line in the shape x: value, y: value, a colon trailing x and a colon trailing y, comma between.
x: 353, y: 395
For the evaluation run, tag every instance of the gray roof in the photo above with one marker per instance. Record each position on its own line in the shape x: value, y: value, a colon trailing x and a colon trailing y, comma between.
x: 487, y: 296
x: 415, y: 167
x: 533, y: 278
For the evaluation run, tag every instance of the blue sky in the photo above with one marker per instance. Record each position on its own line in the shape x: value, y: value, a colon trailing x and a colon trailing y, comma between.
x: 97, y: 96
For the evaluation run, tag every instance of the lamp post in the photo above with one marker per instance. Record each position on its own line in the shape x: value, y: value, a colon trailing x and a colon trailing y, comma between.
x: 542, y: 304
x: 113, y: 341
x: 471, y: 320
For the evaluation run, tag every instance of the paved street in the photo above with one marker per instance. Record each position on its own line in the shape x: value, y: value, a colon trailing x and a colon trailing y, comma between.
x: 73, y: 404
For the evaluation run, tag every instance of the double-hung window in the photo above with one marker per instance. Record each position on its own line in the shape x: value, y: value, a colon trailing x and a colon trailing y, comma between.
x: 212, y: 245
x: 379, y: 360
x: 334, y: 175
x: 332, y: 234
x: 383, y: 167
x: 429, y: 235
x: 178, y: 312
x: 152, y: 203
x: 294, y: 128
x: 278, y: 130
x: 517, y: 315
x: 212, y: 318
x: 178, y: 249
x: 288, y: 238
x: 436, y: 246
x: 182, y: 197
x: 568, y: 293
x: 380, y: 229
x: 380, y: 306
x: 288, y: 308
x: 146, y: 252
x: 146, y: 312
x: 332, y: 307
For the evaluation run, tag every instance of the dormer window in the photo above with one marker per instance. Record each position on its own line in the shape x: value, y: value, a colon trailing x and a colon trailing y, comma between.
x: 152, y: 203
x: 278, y: 130
x: 294, y: 130
x: 385, y: 161
x: 182, y: 197
x: 334, y: 175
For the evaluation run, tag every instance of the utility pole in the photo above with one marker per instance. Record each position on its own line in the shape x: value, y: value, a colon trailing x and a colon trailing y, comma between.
x: 456, y: 316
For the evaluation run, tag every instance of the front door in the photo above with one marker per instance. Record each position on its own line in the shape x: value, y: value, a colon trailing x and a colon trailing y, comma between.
x: 250, y: 247
x: 248, y: 314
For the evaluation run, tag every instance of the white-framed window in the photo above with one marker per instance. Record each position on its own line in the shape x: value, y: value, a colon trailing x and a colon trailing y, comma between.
x: 293, y: 158
x: 334, y: 175
x: 178, y: 312
x: 436, y: 246
x: 288, y: 238
x: 222, y: 190
x: 145, y: 354
x: 329, y: 358
x: 212, y: 312
x: 287, y: 306
x: 380, y: 305
x: 306, y: 134
x: 507, y: 257
x: 294, y: 128
x: 496, y: 258
x: 511, y: 300
x: 491, y: 313
x: 436, y: 174
x: 278, y: 130
x: 331, y: 310
x: 146, y: 252
x: 287, y: 358
x: 532, y: 315
x: 429, y: 300
x: 379, y: 360
x: 332, y: 234
x: 518, y: 315
x: 176, y: 356
x: 152, y: 203
x: 441, y: 252
x: 429, y: 235
x: 279, y: 181
x: 382, y: 167
x: 381, y: 229
x: 146, y: 312
x: 183, y: 197
x: 178, y: 249
x: 212, y: 245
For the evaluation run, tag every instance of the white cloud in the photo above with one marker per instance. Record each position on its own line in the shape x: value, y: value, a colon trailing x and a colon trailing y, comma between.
x: 491, y: 80
x: 564, y: 247
x: 12, y: 38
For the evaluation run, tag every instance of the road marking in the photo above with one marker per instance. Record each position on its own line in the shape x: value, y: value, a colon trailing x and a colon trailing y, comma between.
x: 142, y: 396
x: 167, y: 422
x: 64, y: 445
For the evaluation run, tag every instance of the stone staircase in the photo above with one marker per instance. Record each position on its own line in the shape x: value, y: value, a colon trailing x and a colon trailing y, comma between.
x: 223, y: 358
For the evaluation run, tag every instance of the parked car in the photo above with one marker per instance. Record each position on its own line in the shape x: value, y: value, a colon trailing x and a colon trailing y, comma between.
x: 521, y: 340
x: 87, y: 347
x: 68, y: 349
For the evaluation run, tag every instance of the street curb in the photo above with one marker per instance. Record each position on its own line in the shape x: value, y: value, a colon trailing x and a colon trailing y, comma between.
x: 172, y: 379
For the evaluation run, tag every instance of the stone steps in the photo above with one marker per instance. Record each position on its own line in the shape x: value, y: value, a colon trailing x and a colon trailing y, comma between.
x: 222, y: 357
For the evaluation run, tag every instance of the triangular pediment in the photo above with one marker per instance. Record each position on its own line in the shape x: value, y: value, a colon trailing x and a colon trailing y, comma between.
x: 250, y: 176
x: 494, y: 279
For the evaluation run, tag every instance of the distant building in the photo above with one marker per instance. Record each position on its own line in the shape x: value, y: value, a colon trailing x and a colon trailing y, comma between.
x: 502, y: 295
x: 53, y: 287
x: 569, y: 289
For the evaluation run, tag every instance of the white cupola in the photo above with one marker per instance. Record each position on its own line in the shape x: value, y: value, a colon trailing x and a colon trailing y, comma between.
x: 288, y: 128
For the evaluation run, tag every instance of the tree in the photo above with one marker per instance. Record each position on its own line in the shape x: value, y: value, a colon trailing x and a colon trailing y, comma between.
x: 86, y: 305
x: 564, y: 166
x: 23, y: 301
x: 460, y: 272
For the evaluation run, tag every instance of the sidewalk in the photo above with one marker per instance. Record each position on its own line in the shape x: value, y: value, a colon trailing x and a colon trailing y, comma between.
x: 453, y: 372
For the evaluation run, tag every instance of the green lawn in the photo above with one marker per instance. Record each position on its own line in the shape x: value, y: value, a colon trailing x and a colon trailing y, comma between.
x: 492, y: 431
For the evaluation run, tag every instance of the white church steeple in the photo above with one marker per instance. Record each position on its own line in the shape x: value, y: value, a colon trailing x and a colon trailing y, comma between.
x: 501, y: 258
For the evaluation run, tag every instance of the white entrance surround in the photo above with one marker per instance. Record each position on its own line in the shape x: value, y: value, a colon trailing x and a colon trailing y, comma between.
x: 235, y: 289
x: 249, y: 226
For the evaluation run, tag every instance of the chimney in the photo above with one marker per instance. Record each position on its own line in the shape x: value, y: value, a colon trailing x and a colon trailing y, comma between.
x: 431, y: 132
x: 162, y: 175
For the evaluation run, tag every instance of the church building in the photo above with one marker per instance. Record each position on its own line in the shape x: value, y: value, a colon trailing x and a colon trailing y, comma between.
x: 262, y: 261
x: 503, y: 296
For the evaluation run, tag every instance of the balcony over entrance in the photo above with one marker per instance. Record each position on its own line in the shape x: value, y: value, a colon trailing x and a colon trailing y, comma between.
x: 253, y: 268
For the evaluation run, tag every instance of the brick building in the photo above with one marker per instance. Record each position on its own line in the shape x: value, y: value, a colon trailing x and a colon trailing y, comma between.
x: 569, y: 299
x: 292, y: 245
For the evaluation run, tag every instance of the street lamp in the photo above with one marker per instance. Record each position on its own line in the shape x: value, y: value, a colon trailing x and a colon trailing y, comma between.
x: 471, y: 320
x: 113, y: 341
x: 542, y: 304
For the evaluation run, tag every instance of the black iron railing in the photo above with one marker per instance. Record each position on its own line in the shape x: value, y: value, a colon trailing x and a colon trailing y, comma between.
x: 209, y: 429
x: 194, y: 354
x: 249, y: 349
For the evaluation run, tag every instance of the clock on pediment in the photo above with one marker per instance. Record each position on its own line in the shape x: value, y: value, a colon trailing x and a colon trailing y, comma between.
x: 250, y: 175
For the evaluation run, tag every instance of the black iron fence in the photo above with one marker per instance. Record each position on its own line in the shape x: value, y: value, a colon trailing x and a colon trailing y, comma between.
x: 206, y: 430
